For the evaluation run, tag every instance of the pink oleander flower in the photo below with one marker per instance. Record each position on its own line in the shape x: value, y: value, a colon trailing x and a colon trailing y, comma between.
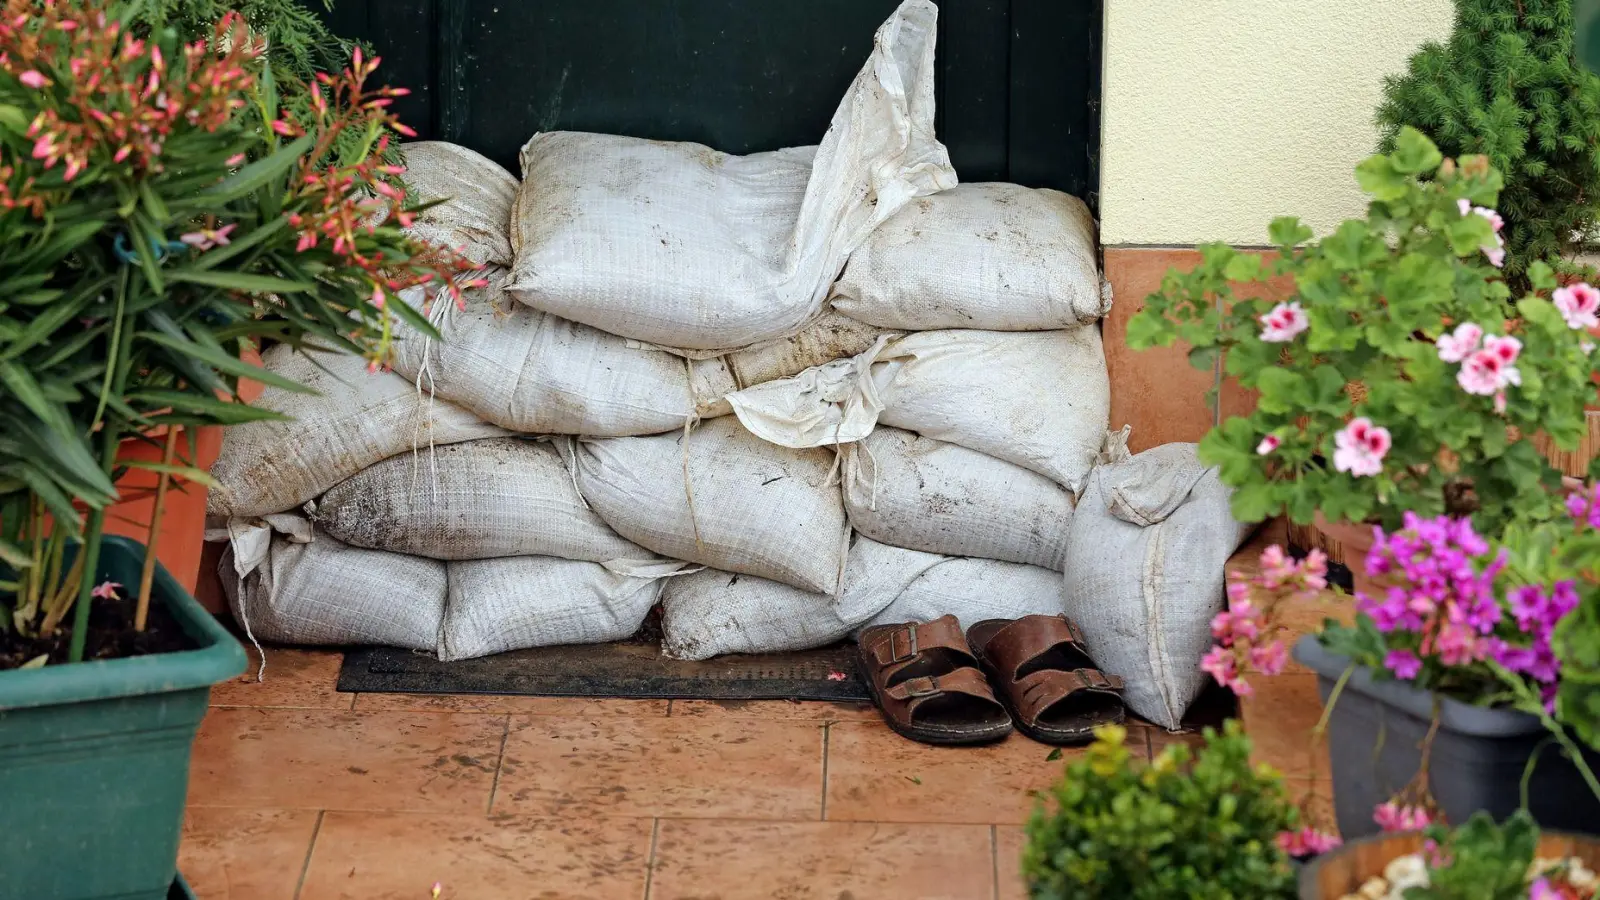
x: 106, y: 590
x: 1307, y: 842
x: 1284, y: 323
x: 1542, y: 889
x: 1579, y: 304
x: 1269, y: 444
x: 1459, y: 344
x: 1391, y: 816
x: 35, y: 79
x: 206, y: 238
x: 1360, y: 448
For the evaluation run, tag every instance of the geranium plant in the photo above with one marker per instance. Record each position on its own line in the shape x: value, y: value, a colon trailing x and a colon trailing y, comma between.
x: 159, y: 214
x: 1398, y: 376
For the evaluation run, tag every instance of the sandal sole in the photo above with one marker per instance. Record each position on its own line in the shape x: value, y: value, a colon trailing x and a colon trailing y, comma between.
x: 1073, y: 738
x: 936, y: 738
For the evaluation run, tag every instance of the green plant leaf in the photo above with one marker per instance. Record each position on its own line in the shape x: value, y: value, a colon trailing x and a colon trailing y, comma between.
x: 188, y: 473
x: 1288, y: 231
x: 222, y: 362
x: 239, y: 281
x: 1414, y: 153
x: 1378, y: 178
x: 253, y: 176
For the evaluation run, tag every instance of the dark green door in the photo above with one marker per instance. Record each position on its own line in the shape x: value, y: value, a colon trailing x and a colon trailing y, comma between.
x: 1019, y: 80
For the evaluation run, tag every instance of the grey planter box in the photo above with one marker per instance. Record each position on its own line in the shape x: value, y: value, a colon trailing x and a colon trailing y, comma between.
x: 1479, y: 755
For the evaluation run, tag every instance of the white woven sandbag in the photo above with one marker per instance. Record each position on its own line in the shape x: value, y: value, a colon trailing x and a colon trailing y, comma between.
x: 711, y: 613
x: 911, y: 491
x: 1144, y: 572
x: 886, y: 585
x: 1000, y: 257
x: 536, y: 373
x: 498, y: 605
x: 475, y: 218
x: 284, y: 590
x: 721, y: 497
x: 475, y: 500
x: 354, y: 419
x: 1040, y: 399
x: 828, y: 337
x: 682, y: 246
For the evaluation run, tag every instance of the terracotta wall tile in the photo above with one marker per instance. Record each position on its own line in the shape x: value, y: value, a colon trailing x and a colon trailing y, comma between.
x: 1157, y: 391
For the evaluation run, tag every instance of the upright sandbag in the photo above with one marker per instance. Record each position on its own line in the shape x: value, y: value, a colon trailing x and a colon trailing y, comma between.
x: 498, y: 605
x: 912, y: 491
x: 721, y: 497
x: 282, y: 589
x: 536, y: 373
x: 682, y: 246
x: 1040, y: 400
x: 354, y: 419
x: 999, y: 257
x: 710, y: 613
x: 1145, y: 570
x: 824, y: 339
x: 886, y: 585
x: 475, y: 218
x: 475, y: 500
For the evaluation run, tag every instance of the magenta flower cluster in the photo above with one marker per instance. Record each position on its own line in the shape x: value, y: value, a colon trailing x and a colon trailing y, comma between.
x: 1438, y: 584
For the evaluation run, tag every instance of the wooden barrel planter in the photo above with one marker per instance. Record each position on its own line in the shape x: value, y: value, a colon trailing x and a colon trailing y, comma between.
x: 1342, y: 872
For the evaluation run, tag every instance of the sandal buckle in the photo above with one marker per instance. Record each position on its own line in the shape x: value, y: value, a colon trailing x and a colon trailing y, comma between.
x: 894, y: 640
x: 926, y: 686
x: 1093, y: 678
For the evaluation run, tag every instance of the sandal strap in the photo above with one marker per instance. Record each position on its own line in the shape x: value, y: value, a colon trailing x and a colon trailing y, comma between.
x: 1019, y: 643
x: 900, y: 644
x: 912, y: 693
x: 1034, y: 694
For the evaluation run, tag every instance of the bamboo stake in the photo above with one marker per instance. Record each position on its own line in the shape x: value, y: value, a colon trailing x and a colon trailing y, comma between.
x: 163, y: 479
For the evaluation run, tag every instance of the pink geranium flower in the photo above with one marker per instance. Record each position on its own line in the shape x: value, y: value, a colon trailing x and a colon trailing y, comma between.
x: 1490, y: 370
x: 1268, y: 444
x: 1393, y: 817
x: 1284, y: 323
x: 106, y: 590
x: 1306, y: 842
x: 1496, y: 252
x: 1459, y: 344
x: 1360, y: 447
x: 1578, y: 304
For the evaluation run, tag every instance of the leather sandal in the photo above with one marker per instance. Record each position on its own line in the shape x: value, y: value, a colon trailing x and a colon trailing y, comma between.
x: 925, y: 680
x: 1054, y: 691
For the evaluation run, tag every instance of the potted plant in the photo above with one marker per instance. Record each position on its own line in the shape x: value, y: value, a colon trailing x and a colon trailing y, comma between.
x: 160, y: 214
x: 1399, y: 376
x: 1478, y: 861
x: 1201, y: 826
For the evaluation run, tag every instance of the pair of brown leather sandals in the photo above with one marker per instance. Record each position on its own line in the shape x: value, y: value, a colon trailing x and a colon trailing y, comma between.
x: 930, y: 681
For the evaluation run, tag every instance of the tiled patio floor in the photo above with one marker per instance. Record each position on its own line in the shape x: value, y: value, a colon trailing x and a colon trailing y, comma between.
x: 299, y: 791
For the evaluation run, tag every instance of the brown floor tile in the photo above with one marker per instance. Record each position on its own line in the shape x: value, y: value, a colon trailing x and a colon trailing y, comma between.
x: 499, y: 704
x: 1008, y: 843
x: 1279, y: 718
x: 875, y: 775
x: 345, y: 760
x: 711, y: 860
x: 379, y: 856
x: 303, y: 679
x: 245, y: 854
x: 776, y: 709
x: 689, y: 767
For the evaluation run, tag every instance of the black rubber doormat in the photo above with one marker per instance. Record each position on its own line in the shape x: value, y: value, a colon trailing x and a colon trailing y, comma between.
x: 630, y: 669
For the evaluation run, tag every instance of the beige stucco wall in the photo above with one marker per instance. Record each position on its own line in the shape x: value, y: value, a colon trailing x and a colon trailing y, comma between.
x: 1222, y: 114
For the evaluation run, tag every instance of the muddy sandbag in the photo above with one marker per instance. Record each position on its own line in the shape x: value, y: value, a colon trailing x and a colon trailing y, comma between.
x: 1040, y: 400
x: 998, y: 257
x: 1145, y: 563
x: 887, y: 585
x: 721, y: 497
x: 475, y: 500
x: 915, y: 492
x: 354, y: 419
x: 475, y: 217
x: 536, y: 373
x: 710, y: 613
x: 826, y: 338
x: 497, y: 605
x: 682, y: 246
x: 307, y: 588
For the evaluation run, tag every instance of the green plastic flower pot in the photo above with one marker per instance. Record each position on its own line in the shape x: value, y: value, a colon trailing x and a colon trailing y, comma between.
x: 94, y: 756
